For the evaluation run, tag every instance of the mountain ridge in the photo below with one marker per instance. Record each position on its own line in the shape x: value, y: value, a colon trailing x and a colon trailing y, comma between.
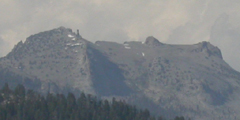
x: 190, y: 80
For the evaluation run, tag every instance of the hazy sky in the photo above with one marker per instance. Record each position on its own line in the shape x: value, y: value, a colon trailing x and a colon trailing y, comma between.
x: 170, y: 21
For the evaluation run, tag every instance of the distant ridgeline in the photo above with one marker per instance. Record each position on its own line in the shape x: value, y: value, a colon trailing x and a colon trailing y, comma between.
x: 22, y: 104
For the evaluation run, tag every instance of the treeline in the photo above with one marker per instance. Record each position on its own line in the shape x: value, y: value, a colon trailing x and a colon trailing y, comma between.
x: 19, y: 104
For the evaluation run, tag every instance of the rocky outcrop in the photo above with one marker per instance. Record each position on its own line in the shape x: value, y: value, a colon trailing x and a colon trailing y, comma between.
x: 209, y: 49
x: 152, y: 41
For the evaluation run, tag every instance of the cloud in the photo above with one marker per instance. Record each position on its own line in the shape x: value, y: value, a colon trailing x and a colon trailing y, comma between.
x: 3, y: 47
x: 171, y: 21
x: 227, y: 37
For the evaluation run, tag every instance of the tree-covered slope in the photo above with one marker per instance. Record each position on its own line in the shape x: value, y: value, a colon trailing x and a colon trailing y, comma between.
x: 22, y: 104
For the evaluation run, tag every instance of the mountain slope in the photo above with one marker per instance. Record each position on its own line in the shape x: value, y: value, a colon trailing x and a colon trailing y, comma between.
x: 190, y: 80
x: 54, y: 57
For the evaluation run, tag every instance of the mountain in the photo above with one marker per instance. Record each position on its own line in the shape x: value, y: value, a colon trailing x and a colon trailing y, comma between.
x: 170, y: 80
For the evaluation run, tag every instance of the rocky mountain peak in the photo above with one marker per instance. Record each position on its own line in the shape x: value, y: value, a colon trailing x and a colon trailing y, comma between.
x: 209, y: 49
x: 55, y: 35
x: 62, y: 28
x: 59, y: 38
x: 152, y: 41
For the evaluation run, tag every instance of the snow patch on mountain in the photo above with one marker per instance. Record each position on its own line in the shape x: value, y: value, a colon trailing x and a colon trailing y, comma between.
x: 69, y: 35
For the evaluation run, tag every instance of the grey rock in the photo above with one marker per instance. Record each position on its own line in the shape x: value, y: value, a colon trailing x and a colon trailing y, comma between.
x: 152, y: 41
x: 189, y: 80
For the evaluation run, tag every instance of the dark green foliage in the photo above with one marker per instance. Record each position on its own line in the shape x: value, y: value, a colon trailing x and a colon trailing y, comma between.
x: 21, y: 105
x: 179, y: 118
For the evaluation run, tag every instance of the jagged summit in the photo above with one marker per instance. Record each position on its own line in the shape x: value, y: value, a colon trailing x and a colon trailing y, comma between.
x: 152, y: 41
x: 56, y: 35
x: 210, y: 49
x: 62, y: 28
x: 57, y: 32
x: 51, y: 41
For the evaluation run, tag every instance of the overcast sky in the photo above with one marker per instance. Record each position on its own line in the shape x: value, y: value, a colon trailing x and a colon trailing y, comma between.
x: 170, y: 21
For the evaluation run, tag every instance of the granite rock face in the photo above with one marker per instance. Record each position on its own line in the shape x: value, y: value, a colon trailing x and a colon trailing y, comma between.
x: 189, y: 80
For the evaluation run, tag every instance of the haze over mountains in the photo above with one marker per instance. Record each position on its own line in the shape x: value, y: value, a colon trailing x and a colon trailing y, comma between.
x: 190, y: 80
